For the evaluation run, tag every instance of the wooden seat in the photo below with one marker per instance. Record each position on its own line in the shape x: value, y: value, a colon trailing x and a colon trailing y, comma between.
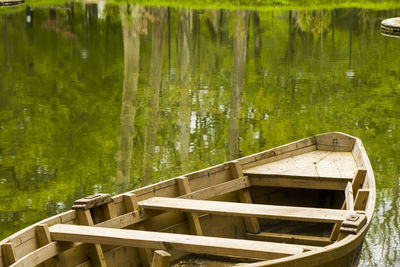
x: 298, y: 181
x: 246, y: 210
x: 168, y: 241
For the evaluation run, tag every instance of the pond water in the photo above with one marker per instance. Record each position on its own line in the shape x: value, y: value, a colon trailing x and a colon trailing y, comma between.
x: 101, y: 98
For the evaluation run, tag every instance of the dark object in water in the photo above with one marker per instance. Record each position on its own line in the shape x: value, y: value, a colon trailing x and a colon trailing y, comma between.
x: 391, y: 26
x: 11, y: 2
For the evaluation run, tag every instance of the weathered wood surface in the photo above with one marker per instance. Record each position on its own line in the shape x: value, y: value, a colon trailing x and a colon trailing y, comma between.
x: 95, y: 250
x: 131, y: 205
x: 298, y: 181
x: 246, y: 210
x: 44, y: 238
x: 335, y: 142
x: 361, y: 199
x: 236, y: 170
x: 8, y: 252
x: 193, y: 218
x: 349, y: 204
x: 43, y: 254
x: 167, y: 241
x: 92, y: 201
x: 290, y: 238
x: 311, y: 163
x: 219, y: 189
x: 160, y: 259
x: 348, y: 195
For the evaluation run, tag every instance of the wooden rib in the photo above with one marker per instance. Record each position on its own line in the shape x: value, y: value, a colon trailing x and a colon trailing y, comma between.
x: 291, y: 239
x: 357, y: 184
x: 349, y: 199
x: 8, y: 252
x: 42, y: 254
x: 160, y: 259
x: 131, y: 205
x: 358, y: 181
x: 246, y: 210
x: 44, y: 238
x: 219, y: 189
x: 252, y: 224
x: 109, y: 211
x: 361, y: 199
x: 193, y: 218
x: 294, y: 181
x: 167, y: 241
x: 95, y: 250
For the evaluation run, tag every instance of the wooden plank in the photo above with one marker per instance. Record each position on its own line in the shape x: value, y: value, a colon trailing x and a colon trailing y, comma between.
x: 337, y: 141
x: 42, y: 254
x: 361, y: 199
x: 109, y: 211
x: 277, y: 155
x: 349, y: 199
x: 219, y: 189
x: 8, y: 252
x: 193, y: 218
x: 298, y: 146
x: 292, y: 181
x: 130, y: 202
x: 235, y: 169
x: 252, y: 224
x: 246, y: 210
x: 92, y: 201
x: 358, y: 181
x: 44, y: 238
x: 26, y: 247
x: 131, y: 205
x: 291, y: 239
x: 168, y: 241
x: 95, y: 251
x: 334, y: 148
x: 160, y: 259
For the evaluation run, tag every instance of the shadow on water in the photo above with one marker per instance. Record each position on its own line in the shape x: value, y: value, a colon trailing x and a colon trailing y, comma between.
x: 105, y: 98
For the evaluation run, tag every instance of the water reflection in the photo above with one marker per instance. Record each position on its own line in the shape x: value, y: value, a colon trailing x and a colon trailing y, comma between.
x: 239, y: 63
x: 133, y: 24
x: 152, y: 95
x: 91, y: 101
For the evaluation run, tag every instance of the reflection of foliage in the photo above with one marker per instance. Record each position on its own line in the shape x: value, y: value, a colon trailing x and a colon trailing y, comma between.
x: 135, y: 16
x: 60, y: 112
x: 315, y: 22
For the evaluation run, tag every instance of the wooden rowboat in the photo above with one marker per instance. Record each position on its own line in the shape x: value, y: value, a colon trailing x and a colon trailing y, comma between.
x: 308, y: 203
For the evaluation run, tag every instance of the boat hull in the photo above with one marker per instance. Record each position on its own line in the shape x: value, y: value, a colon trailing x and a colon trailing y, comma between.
x: 301, y: 204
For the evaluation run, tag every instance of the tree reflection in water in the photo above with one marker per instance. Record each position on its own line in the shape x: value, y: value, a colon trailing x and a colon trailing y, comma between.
x: 236, y: 82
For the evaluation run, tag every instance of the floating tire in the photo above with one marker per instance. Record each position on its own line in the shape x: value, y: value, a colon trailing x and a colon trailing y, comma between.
x: 391, y: 26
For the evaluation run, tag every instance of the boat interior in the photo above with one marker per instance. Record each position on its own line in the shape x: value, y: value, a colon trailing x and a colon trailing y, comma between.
x: 290, y: 200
